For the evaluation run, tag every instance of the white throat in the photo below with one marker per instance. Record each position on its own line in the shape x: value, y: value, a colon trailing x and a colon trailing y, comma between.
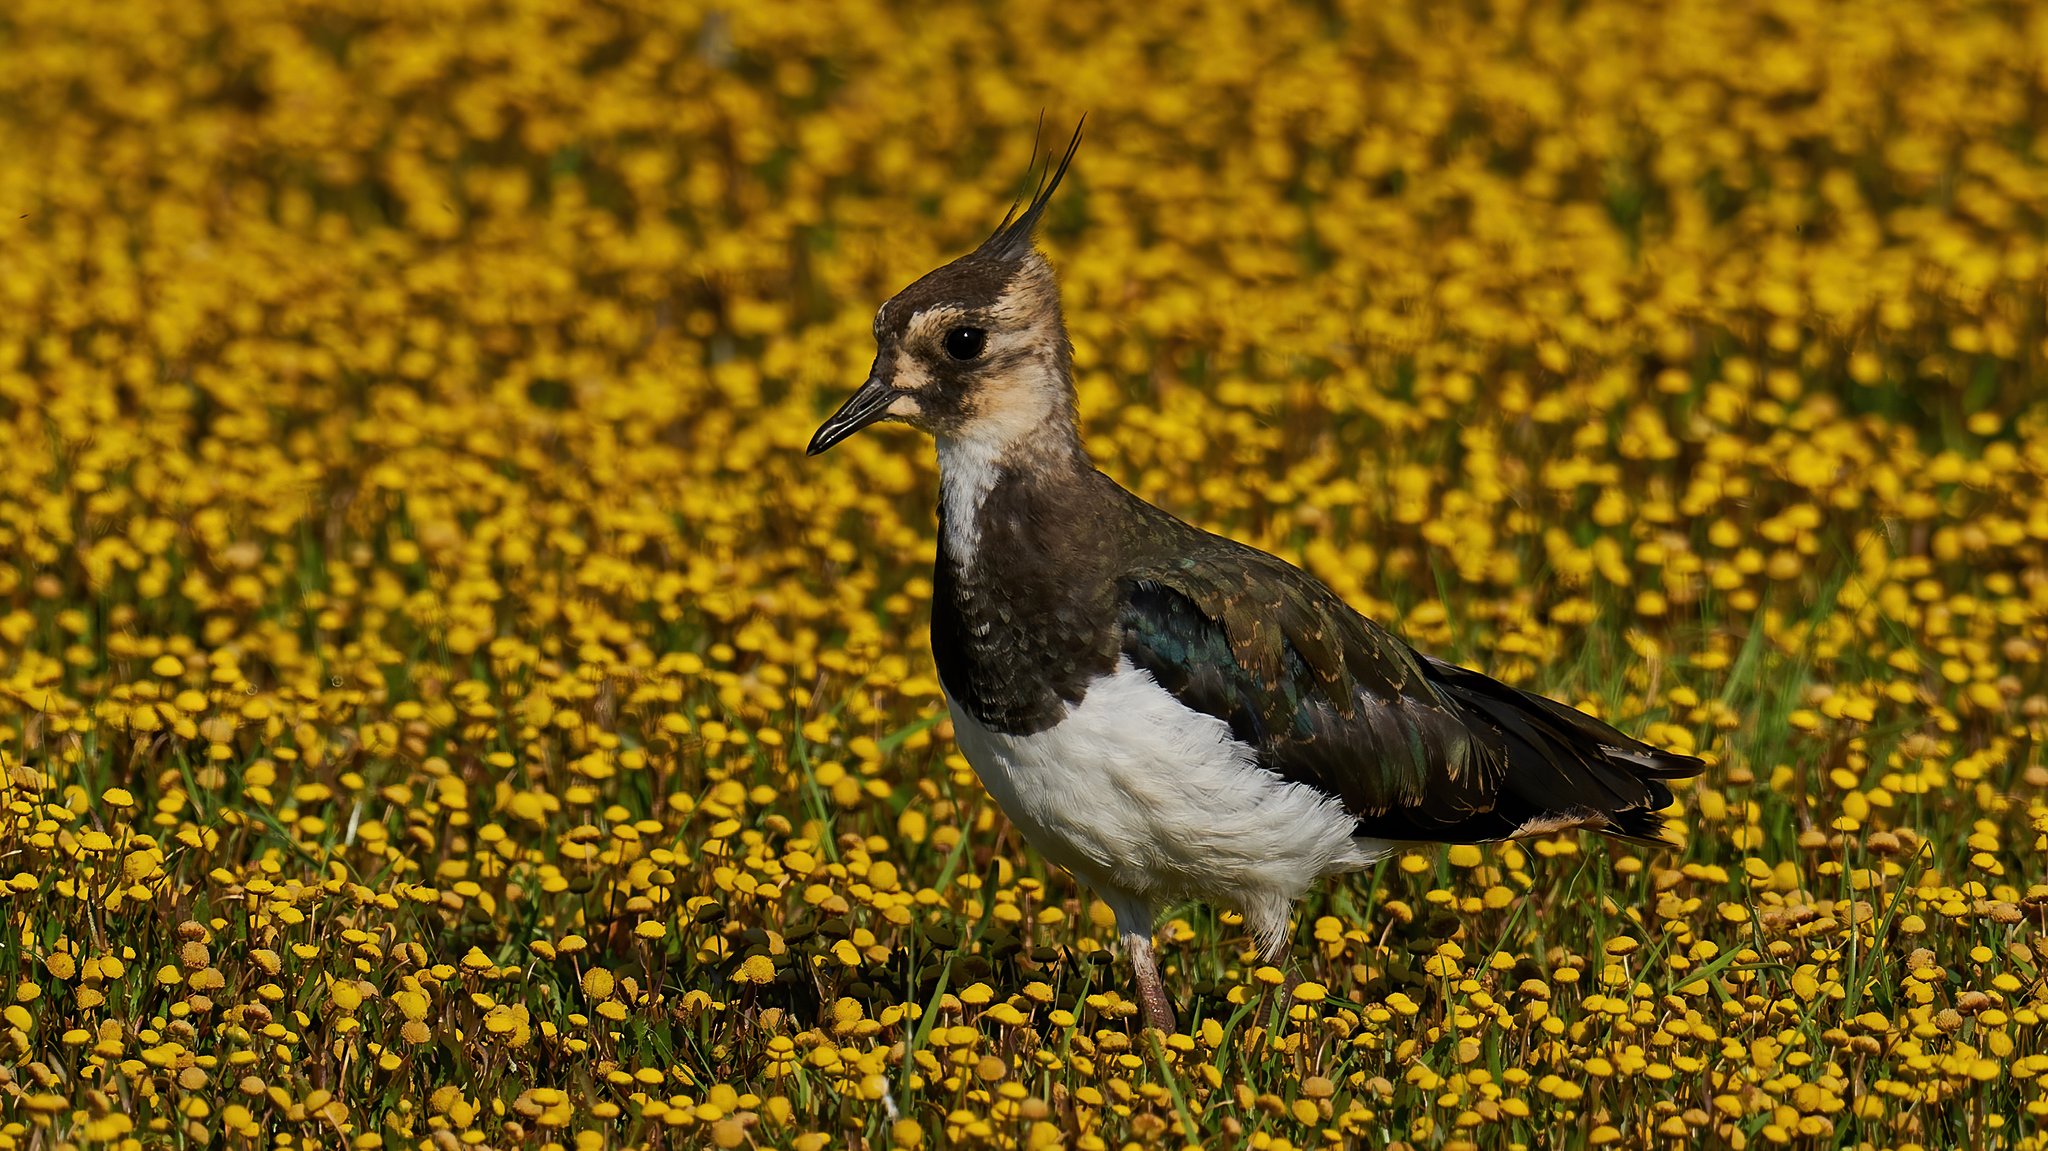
x: 968, y: 468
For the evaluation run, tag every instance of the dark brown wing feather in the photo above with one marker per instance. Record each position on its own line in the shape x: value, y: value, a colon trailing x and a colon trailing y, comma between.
x: 1415, y: 747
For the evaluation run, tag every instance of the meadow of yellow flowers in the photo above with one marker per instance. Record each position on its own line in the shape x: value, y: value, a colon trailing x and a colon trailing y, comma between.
x: 440, y: 706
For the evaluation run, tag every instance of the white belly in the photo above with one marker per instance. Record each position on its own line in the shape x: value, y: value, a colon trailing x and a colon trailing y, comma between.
x: 1148, y: 801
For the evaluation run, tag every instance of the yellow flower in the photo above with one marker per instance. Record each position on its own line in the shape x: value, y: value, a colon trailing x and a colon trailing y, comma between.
x: 756, y: 969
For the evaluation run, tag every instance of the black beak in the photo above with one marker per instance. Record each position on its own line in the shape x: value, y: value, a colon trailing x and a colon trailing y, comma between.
x: 861, y: 408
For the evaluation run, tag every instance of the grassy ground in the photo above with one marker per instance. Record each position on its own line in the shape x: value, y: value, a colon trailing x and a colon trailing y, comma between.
x: 440, y: 705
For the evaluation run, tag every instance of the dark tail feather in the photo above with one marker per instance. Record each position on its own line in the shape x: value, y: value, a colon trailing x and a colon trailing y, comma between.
x: 1565, y: 768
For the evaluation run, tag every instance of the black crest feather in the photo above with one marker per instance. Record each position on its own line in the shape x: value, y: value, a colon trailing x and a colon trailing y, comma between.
x: 1012, y: 238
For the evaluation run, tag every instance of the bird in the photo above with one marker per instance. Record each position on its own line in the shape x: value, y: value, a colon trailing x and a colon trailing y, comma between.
x: 1165, y: 713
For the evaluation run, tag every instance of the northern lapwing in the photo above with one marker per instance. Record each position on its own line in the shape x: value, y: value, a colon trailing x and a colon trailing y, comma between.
x: 1166, y: 713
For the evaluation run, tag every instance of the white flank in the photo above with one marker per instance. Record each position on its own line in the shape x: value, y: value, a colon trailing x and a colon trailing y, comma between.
x: 1148, y: 802
x: 1552, y: 824
x: 968, y: 468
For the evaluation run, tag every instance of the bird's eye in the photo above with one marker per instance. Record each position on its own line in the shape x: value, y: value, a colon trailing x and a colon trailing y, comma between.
x: 965, y: 343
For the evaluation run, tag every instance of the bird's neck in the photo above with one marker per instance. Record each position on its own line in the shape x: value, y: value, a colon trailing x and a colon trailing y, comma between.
x: 1022, y: 599
x: 973, y: 465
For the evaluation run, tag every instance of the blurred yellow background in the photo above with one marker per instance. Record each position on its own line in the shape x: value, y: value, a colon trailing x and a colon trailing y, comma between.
x: 414, y: 597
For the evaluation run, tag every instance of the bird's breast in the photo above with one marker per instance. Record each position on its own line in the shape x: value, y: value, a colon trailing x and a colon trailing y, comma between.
x: 1023, y: 621
x: 1135, y: 793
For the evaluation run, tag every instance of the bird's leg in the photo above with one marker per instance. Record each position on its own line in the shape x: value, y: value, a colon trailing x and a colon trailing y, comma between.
x: 1272, y: 945
x: 1151, y: 989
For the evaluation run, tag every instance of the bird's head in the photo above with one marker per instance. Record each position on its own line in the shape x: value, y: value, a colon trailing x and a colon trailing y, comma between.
x: 976, y: 350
